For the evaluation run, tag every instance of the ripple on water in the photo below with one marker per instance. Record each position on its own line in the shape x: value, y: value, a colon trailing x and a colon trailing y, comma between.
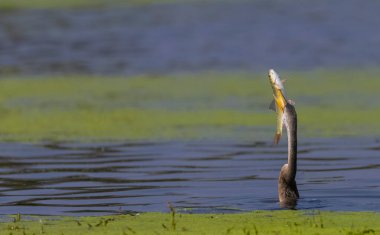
x: 93, y: 179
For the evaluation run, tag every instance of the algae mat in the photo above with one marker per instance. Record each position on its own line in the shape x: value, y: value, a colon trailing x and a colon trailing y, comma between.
x: 197, y: 106
x: 258, y: 222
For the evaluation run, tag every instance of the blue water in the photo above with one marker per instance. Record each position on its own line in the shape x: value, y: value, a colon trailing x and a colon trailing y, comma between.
x: 166, y: 38
x: 108, y: 178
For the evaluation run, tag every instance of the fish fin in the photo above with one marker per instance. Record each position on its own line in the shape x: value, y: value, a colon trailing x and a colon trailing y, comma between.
x: 277, y: 137
x: 292, y: 102
x: 272, y: 105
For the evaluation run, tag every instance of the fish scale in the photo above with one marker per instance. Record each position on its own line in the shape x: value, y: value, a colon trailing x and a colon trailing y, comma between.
x: 278, y: 103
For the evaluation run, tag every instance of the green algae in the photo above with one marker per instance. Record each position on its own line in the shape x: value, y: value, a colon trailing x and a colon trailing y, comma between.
x: 257, y: 222
x: 185, y: 106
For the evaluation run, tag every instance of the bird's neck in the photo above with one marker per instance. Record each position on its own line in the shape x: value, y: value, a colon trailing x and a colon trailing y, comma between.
x: 291, y: 125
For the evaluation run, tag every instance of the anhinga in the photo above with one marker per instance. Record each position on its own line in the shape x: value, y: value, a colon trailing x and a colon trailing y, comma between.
x: 287, y: 116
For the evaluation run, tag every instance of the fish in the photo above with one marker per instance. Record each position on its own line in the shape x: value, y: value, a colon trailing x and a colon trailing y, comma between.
x: 279, y: 102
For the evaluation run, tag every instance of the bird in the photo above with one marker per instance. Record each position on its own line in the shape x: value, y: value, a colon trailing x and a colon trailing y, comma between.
x: 286, y: 116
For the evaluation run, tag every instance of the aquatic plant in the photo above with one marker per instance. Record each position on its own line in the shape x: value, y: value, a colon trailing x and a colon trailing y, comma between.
x: 256, y: 222
x: 189, y: 106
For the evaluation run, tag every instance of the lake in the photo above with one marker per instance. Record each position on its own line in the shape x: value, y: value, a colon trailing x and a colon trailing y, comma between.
x: 168, y: 38
x: 195, y: 176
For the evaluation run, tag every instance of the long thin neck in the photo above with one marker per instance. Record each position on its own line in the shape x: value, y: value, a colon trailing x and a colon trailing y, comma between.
x: 291, y: 127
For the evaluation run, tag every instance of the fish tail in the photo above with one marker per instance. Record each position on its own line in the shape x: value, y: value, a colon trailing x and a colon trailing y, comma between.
x: 277, y: 137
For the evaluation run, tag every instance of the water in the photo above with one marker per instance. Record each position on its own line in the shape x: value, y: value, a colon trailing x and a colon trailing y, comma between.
x: 108, y: 178
x: 162, y: 38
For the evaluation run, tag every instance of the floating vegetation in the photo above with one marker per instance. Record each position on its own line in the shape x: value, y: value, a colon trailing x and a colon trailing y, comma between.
x: 191, y: 106
x: 257, y: 222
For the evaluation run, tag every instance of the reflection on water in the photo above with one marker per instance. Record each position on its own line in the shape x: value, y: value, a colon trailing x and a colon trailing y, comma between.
x: 82, y: 179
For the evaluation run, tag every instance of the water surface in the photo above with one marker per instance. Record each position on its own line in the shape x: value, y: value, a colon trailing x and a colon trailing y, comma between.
x: 108, y: 178
x: 162, y: 38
